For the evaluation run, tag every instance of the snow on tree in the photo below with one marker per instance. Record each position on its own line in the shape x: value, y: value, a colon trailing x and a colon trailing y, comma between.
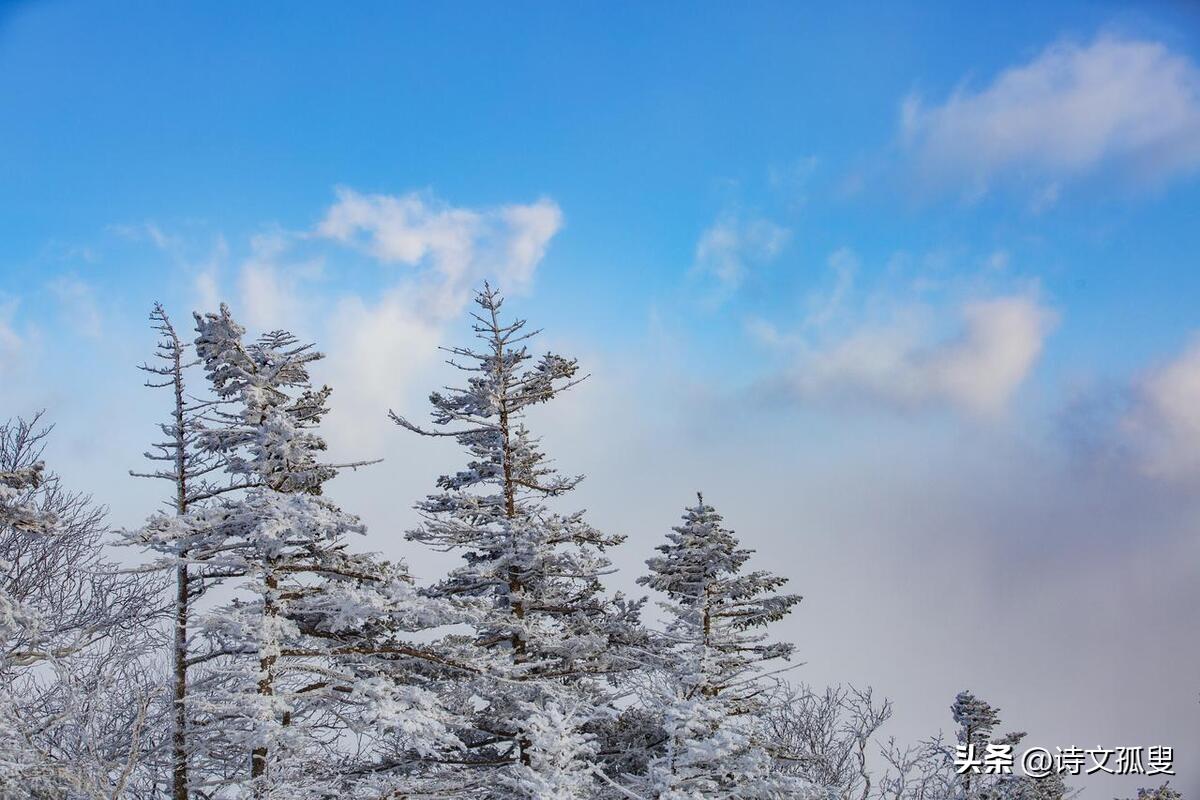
x: 977, y: 722
x: 713, y: 698
x: 320, y: 672
x: 269, y: 437
x: 192, y: 471
x: 928, y: 769
x: 302, y: 665
x: 547, y: 643
x: 19, y: 516
x: 560, y: 754
x: 826, y: 737
x: 77, y: 641
x: 1164, y: 792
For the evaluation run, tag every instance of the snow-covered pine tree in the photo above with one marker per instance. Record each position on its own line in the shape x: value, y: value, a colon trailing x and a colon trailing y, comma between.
x: 547, y: 642
x: 976, y: 719
x: 977, y: 722
x: 930, y: 768
x: 192, y: 471
x: 712, y: 692
x: 303, y: 675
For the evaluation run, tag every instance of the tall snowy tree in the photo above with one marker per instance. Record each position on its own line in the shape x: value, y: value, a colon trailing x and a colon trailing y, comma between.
x: 712, y: 695
x: 302, y: 675
x: 547, y: 641
x: 193, y: 473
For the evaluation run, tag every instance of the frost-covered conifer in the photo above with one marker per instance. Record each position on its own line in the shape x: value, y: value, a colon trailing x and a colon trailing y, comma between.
x: 193, y: 473
x: 301, y: 667
x: 977, y: 721
x: 712, y: 694
x: 547, y: 641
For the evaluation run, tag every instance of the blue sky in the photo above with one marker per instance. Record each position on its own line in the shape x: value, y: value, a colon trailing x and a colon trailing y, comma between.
x: 642, y: 124
x: 910, y: 289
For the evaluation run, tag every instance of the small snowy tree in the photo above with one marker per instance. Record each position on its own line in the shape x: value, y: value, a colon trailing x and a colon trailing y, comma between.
x: 977, y: 721
x: 78, y: 638
x: 547, y: 641
x: 826, y: 737
x: 928, y: 769
x: 1164, y: 792
x: 713, y: 697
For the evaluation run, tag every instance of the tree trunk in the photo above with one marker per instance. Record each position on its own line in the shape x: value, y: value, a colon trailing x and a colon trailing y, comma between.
x: 266, y: 664
x: 514, y: 579
x: 179, y: 772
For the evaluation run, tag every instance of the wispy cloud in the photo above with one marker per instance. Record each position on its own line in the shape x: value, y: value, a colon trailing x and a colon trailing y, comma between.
x: 11, y: 343
x: 793, y: 180
x: 734, y: 244
x: 273, y: 283
x: 147, y: 232
x: 206, y: 274
x: 1074, y: 109
x: 78, y: 303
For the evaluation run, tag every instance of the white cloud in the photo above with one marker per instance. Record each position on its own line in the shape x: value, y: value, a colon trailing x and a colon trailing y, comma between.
x: 733, y: 244
x: 461, y: 245
x: 530, y: 229
x: 1165, y: 419
x: 1071, y: 110
x: 78, y: 304
x: 900, y: 364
